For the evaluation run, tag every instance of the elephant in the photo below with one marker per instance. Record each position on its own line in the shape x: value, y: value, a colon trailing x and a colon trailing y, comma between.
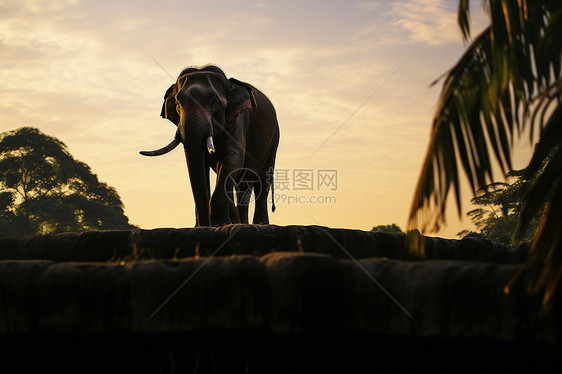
x: 230, y: 127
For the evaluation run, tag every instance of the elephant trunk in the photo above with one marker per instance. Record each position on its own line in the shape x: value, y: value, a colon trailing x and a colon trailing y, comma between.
x: 195, y: 135
x: 197, y: 98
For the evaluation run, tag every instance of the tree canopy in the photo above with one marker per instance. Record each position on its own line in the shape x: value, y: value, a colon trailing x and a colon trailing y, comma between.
x: 45, y: 190
x: 392, y: 228
x: 508, y: 81
x: 497, y: 211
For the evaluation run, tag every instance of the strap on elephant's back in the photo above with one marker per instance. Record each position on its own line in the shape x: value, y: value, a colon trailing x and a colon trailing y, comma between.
x: 248, y: 100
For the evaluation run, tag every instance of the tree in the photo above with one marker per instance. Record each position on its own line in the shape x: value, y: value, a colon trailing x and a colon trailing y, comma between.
x: 508, y: 80
x: 45, y: 190
x: 392, y: 228
x: 498, y: 211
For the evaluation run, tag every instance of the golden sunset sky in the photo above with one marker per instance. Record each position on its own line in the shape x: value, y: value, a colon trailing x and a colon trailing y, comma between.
x: 350, y: 81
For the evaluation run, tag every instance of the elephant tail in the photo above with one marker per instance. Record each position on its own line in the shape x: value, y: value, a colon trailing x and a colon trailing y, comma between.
x: 272, y: 194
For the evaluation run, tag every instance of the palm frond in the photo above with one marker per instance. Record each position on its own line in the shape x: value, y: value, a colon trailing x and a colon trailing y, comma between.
x: 464, y: 126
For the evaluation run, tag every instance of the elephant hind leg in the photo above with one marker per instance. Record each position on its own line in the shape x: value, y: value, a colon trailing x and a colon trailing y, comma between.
x: 261, y: 216
x: 262, y: 189
x: 243, y: 194
x: 234, y: 215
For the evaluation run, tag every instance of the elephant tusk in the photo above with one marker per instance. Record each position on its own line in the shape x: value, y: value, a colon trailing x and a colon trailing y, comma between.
x: 173, y: 144
x: 210, y: 145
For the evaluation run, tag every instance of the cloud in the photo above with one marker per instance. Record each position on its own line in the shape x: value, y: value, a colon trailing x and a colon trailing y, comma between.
x: 428, y: 21
x: 432, y: 22
x: 415, y: 22
x: 369, y: 5
x: 38, y: 6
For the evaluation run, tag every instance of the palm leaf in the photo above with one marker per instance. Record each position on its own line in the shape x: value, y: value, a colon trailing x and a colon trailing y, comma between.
x: 463, y: 18
x: 544, y: 263
x: 463, y: 129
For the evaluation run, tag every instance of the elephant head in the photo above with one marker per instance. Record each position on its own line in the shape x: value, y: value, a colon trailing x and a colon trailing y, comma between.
x: 202, y: 103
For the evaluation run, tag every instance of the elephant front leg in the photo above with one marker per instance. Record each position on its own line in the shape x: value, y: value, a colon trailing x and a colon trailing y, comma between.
x: 234, y: 216
x: 222, y: 201
x: 208, y: 183
x: 243, y: 194
x: 230, y: 159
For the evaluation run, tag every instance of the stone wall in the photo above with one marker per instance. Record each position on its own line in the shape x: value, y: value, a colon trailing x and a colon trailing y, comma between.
x: 256, y: 240
x: 267, y: 299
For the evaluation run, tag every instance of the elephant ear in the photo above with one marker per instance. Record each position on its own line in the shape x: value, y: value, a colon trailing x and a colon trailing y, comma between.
x: 240, y: 99
x: 169, y: 106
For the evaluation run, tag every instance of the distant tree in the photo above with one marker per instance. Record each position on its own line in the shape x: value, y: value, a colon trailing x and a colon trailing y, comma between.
x: 392, y: 228
x: 11, y: 225
x: 499, y: 207
x: 45, y: 190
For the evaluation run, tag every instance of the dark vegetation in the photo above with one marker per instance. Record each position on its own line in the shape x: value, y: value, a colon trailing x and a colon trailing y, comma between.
x: 45, y: 190
x: 497, y: 212
x: 392, y: 228
x: 508, y: 81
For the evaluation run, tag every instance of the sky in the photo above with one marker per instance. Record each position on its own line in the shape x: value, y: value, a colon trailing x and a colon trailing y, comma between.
x: 350, y: 81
